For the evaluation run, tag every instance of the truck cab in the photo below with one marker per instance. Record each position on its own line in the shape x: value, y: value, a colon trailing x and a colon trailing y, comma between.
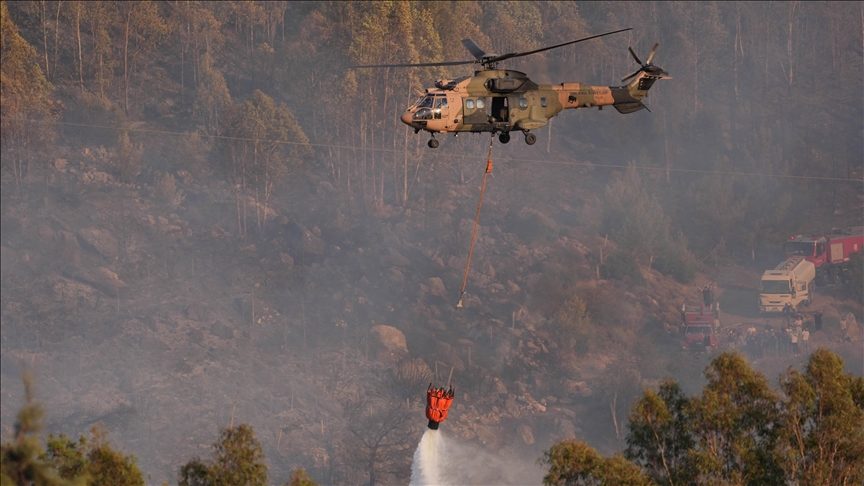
x: 698, y: 326
x: 791, y: 282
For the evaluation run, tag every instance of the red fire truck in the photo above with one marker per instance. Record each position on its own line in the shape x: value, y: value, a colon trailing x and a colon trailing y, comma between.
x: 829, y: 253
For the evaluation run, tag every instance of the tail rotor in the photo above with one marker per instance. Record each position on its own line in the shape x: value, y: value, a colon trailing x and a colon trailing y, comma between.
x: 647, y: 67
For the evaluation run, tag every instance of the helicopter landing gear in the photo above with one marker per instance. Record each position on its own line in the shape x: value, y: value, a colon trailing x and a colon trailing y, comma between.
x: 530, y: 138
x: 432, y: 143
x: 504, y: 137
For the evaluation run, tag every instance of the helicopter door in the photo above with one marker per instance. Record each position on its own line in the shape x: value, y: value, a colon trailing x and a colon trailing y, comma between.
x: 441, y: 109
x: 500, y: 109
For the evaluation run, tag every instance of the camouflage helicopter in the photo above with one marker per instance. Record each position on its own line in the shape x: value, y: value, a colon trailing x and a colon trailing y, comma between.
x: 502, y: 101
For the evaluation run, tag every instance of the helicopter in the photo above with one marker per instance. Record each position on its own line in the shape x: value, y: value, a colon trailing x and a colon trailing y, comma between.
x: 503, y: 101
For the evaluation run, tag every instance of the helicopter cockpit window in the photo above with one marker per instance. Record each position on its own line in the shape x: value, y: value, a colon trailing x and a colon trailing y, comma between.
x: 423, y: 114
x: 425, y: 102
x: 523, y: 103
x: 543, y: 102
x: 441, y: 102
x: 469, y: 104
x: 480, y: 103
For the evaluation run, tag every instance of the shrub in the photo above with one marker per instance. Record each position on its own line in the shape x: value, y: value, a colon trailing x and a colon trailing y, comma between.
x: 620, y: 265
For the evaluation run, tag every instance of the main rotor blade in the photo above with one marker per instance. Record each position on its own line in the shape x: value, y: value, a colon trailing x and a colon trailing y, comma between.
x: 634, y: 73
x: 422, y: 64
x: 634, y: 55
x: 535, y: 51
x: 473, y: 48
x: 651, y: 56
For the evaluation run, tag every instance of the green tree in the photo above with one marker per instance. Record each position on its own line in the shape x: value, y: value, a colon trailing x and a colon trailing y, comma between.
x: 94, y: 459
x: 265, y: 140
x: 822, y: 423
x: 300, y: 478
x: 733, y: 425
x: 238, y: 460
x: 660, y: 438
x: 575, y: 463
x: 25, y: 100
x: 212, y: 99
x: 23, y: 461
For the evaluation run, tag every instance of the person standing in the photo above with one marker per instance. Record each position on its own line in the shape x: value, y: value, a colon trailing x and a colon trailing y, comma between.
x: 794, y: 338
x: 787, y: 313
x: 805, y: 340
x: 817, y: 320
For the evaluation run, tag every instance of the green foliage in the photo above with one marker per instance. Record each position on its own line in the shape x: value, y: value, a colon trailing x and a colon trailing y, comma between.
x: 87, y: 109
x: 822, y: 423
x: 94, y: 460
x: 212, y: 99
x: 675, y: 260
x: 238, y: 460
x: 574, y: 463
x: 23, y: 460
x: 300, y: 478
x: 738, y: 431
x: 571, y: 328
x: 25, y: 100
x: 620, y: 265
x: 126, y: 159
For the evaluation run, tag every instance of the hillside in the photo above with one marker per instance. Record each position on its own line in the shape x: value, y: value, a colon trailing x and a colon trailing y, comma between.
x: 161, y: 280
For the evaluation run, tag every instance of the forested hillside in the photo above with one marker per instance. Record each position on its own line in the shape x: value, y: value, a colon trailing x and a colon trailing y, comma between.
x: 209, y: 217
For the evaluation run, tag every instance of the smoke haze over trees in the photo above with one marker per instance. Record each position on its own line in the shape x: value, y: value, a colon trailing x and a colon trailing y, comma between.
x: 205, y: 208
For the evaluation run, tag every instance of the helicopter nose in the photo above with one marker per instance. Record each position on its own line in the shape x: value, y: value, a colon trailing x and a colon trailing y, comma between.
x: 406, y: 118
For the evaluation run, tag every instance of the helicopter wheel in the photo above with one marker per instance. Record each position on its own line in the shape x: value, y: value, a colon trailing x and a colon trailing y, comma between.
x: 504, y: 137
x: 433, y: 143
x: 530, y: 138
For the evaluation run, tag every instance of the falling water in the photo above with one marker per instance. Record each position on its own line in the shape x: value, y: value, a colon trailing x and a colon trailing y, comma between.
x: 426, y: 468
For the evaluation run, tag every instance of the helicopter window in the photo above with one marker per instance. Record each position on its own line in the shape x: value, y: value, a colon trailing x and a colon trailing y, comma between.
x: 523, y: 103
x: 440, y: 102
x: 480, y: 103
x: 423, y: 114
x: 426, y: 102
x: 543, y: 102
x: 469, y: 104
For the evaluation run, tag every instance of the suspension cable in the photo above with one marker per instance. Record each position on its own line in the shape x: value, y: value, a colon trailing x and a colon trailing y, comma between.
x: 477, y: 219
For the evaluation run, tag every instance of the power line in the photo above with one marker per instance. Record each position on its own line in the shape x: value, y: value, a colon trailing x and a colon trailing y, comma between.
x: 471, y: 156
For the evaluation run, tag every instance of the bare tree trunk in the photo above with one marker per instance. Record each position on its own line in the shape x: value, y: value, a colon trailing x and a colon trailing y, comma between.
x: 57, y: 34
x: 42, y: 20
x: 78, y: 35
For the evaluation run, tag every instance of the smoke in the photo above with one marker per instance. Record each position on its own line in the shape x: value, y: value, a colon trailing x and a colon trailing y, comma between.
x: 439, y: 461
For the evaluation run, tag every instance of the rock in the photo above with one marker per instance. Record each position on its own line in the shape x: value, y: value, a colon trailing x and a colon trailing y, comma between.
x: 550, y: 399
x: 526, y: 434
x: 70, y: 250
x: 101, y: 279
x: 387, y: 344
x: 394, y: 258
x: 435, y: 287
x: 511, y: 406
x: 101, y: 241
x: 498, y: 386
x: 45, y: 232
x: 60, y: 164
x: 286, y: 259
